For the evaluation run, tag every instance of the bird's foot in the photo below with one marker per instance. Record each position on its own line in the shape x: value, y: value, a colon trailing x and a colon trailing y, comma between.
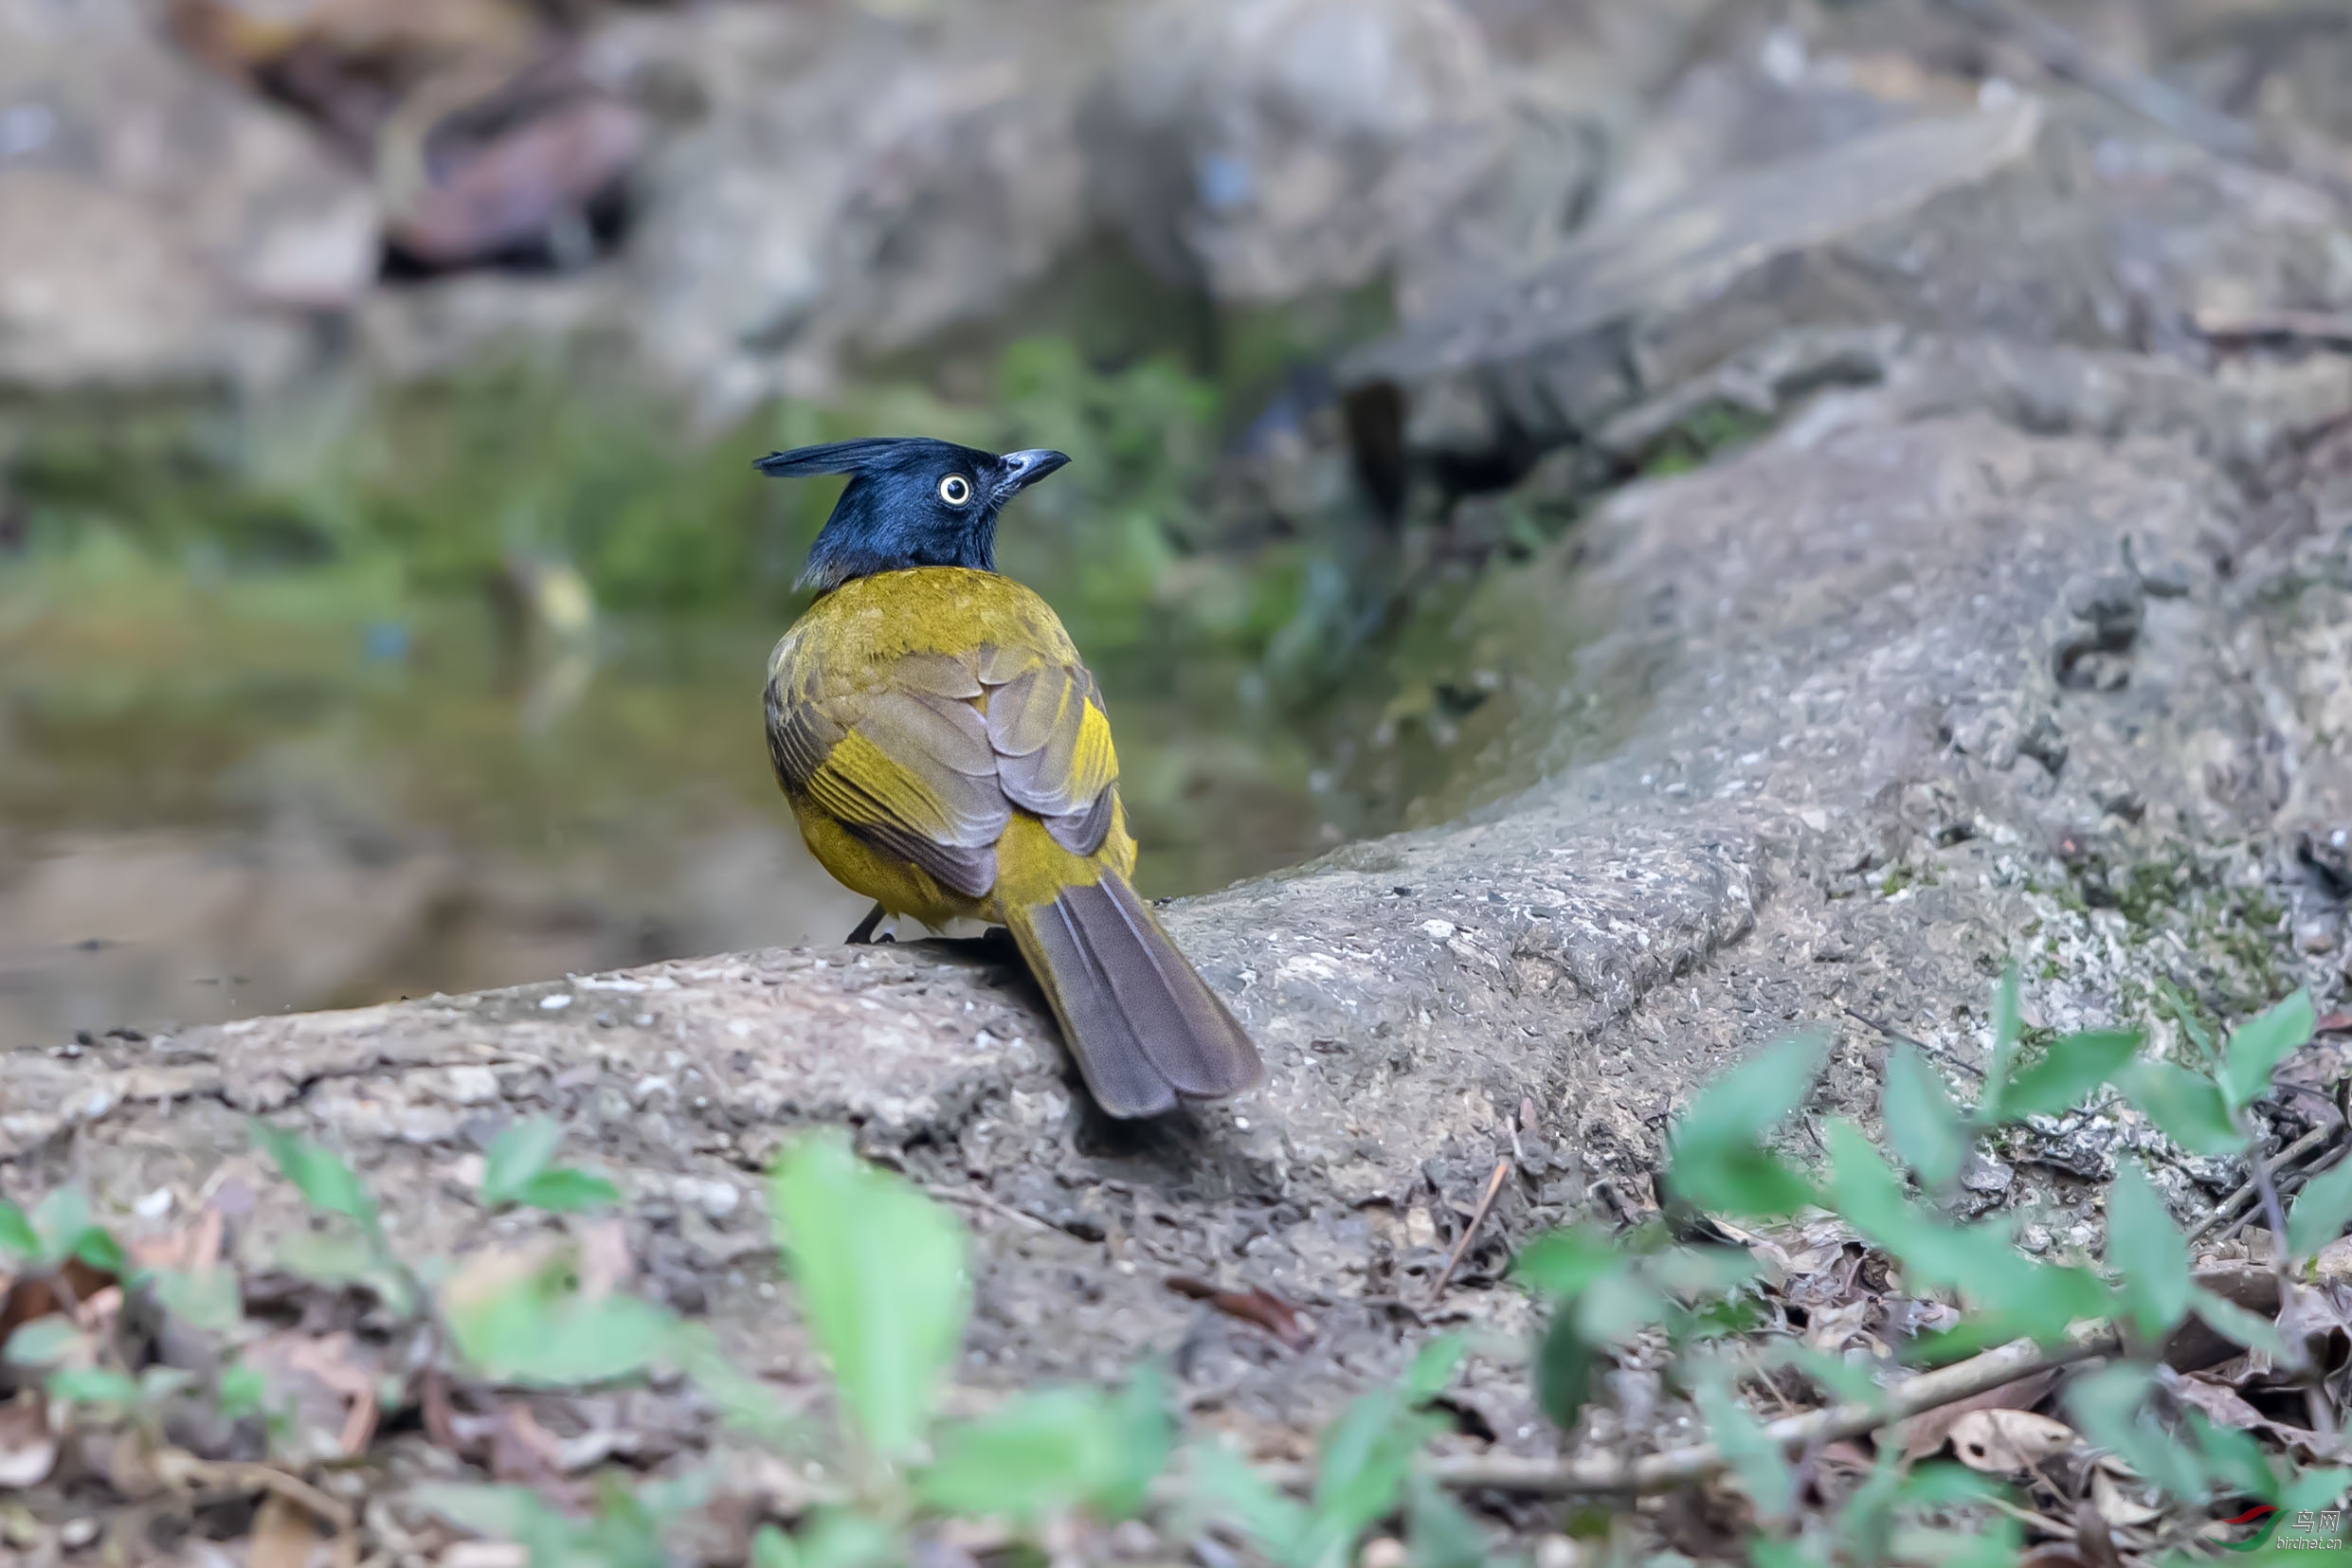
x: 863, y: 935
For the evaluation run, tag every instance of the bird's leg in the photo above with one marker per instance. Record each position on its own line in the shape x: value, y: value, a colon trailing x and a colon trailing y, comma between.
x: 864, y: 935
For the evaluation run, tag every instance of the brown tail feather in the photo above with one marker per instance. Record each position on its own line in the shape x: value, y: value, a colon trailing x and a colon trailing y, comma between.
x: 1142, y: 1022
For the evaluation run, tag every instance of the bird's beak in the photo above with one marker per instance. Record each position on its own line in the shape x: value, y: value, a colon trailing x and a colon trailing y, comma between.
x: 1023, y: 469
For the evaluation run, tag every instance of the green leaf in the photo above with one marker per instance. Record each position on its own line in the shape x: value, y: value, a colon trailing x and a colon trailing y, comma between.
x: 1977, y: 1260
x: 2260, y: 1044
x: 1751, y: 1184
x: 1922, y: 1121
x: 1716, y: 1159
x: 535, y: 1333
x: 496, y: 1513
x: 98, y: 1248
x: 1755, y: 1096
x: 43, y: 1342
x: 1619, y: 1306
x: 744, y: 1403
x: 325, y: 1182
x: 340, y: 1256
x: 1764, y: 1471
x: 94, y: 1385
x: 2233, y: 1458
x: 2148, y: 1253
x: 2193, y: 1027
x: 2324, y: 1488
x: 2321, y: 1210
x: 1143, y: 1437
x: 1433, y: 1369
x: 2008, y: 1029
x: 2068, y: 1073
x: 1364, y: 1457
x: 1220, y: 1484
x: 1438, y: 1533
x: 1564, y: 1371
x: 17, y: 1236
x: 2189, y: 1110
x: 240, y: 1391
x: 516, y: 1156
x: 2234, y: 1324
x: 1943, y: 1486
x: 1046, y: 1452
x: 882, y: 1284
x: 207, y: 1299
x: 835, y: 1538
x: 1564, y: 1264
x: 565, y: 1190
x: 2111, y: 1408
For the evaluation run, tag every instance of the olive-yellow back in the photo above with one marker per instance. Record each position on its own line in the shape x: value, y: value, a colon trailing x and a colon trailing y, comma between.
x: 947, y: 754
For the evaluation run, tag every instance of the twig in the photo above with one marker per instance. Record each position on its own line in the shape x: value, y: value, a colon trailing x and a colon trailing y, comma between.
x: 2283, y: 1157
x: 2332, y: 329
x: 241, y: 1476
x: 1469, y: 1232
x: 1659, y: 1472
x: 2289, y: 1183
x: 2040, y: 1521
x: 2223, y: 135
x: 2066, y: 55
x: 1891, y: 1033
x: 991, y: 1205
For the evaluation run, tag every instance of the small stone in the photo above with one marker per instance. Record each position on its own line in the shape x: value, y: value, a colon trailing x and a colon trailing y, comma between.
x: 1984, y: 1173
x: 554, y: 1004
x: 2316, y: 934
x: 1558, y: 1551
x: 713, y: 1198
x: 77, y: 1533
x: 470, y: 1085
x: 1439, y: 931
x: 153, y: 1205
x: 1382, y: 1552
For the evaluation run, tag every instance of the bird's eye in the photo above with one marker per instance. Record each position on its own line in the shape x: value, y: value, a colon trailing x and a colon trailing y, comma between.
x: 955, y: 489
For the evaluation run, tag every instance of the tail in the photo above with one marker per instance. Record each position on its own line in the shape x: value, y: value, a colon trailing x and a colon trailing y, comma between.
x: 1142, y: 1022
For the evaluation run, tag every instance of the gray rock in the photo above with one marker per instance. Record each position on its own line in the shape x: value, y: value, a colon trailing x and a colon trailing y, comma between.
x: 1265, y: 149
x: 1637, y: 305
x: 157, y: 225
x: 854, y: 185
x: 1817, y: 623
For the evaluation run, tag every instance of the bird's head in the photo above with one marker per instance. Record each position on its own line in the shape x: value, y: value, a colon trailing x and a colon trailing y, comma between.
x: 911, y: 502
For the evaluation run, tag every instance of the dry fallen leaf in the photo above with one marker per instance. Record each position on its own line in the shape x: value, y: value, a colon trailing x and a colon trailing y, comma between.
x: 28, y: 1448
x: 326, y: 1385
x: 1289, y: 1326
x: 2116, y: 1501
x: 2092, y: 1542
x: 283, y: 1535
x: 1924, y: 1433
x: 2005, y: 1441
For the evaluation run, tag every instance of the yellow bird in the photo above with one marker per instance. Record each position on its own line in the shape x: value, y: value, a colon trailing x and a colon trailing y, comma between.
x: 947, y: 754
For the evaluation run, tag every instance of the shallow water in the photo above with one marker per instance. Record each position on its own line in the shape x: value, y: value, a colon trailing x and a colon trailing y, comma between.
x: 212, y: 807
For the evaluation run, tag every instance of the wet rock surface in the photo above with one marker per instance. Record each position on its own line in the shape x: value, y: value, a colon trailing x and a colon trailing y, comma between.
x: 1870, y: 770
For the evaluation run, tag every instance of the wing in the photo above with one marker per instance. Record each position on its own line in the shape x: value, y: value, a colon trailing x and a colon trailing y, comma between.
x: 1053, y: 744
x: 925, y: 755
